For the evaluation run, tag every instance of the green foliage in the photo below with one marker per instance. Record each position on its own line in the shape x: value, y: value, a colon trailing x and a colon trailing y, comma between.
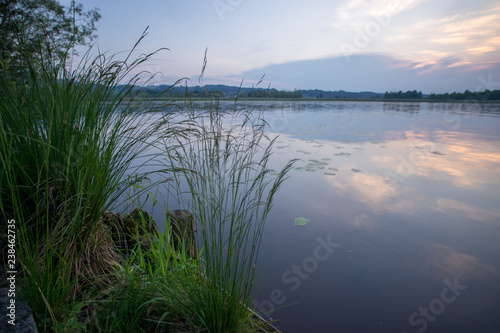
x: 144, y: 298
x: 217, y: 91
x: 487, y: 95
x: 43, y: 29
x: 403, y: 95
x: 67, y: 142
x: 339, y: 94
x: 223, y: 165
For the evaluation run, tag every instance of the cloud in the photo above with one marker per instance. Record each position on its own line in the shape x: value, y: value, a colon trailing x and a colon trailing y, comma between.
x: 471, y: 33
x: 356, y: 13
x: 379, y: 73
x: 420, y: 30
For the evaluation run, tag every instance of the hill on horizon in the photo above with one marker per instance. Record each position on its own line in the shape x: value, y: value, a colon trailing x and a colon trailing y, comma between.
x: 258, y: 92
x: 226, y: 91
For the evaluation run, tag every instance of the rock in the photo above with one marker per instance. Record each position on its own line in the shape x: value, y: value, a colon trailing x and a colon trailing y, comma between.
x: 24, y: 321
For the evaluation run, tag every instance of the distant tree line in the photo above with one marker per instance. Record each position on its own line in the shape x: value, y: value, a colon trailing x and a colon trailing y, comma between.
x: 339, y: 94
x: 217, y: 91
x: 244, y: 92
x: 413, y: 94
x: 224, y: 91
x: 487, y: 95
x: 271, y: 93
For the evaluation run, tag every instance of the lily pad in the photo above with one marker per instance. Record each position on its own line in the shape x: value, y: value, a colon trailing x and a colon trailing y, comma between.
x: 301, y: 221
x: 318, y: 163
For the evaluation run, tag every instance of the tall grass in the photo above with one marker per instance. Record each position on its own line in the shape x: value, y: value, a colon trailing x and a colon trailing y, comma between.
x: 136, y: 303
x: 224, y: 164
x: 68, y: 138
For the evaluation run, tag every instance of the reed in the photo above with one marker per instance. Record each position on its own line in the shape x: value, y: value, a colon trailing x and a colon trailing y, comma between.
x: 67, y: 142
x: 225, y: 180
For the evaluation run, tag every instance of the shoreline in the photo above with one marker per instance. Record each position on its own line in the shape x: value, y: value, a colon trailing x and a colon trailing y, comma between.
x: 233, y: 99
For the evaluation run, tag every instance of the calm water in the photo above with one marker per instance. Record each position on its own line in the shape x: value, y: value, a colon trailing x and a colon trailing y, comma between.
x: 404, y: 207
x: 403, y: 201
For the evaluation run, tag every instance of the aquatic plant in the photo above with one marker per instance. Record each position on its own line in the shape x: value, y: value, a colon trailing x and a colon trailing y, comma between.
x: 301, y: 221
x: 67, y: 141
x: 224, y: 179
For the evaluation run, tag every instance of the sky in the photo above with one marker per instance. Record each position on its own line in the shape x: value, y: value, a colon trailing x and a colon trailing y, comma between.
x: 353, y: 45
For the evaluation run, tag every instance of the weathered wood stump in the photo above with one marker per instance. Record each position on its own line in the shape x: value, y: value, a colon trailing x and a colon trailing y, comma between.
x: 138, y: 228
x: 134, y: 229
x: 182, y: 224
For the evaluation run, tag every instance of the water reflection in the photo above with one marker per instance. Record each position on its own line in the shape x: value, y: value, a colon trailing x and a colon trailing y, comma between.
x: 413, y: 196
x: 411, y: 191
x: 449, y: 261
x: 402, y: 107
x: 417, y: 166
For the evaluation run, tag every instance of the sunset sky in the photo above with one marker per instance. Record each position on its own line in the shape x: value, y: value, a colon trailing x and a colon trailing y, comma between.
x: 353, y: 45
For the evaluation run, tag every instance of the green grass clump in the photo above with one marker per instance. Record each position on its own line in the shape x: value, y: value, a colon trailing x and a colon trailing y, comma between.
x: 223, y: 167
x: 69, y: 141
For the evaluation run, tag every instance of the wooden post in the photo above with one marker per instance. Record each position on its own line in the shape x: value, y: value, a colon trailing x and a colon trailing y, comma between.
x: 182, y: 223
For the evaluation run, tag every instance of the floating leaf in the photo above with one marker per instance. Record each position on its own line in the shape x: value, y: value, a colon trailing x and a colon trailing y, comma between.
x: 301, y: 221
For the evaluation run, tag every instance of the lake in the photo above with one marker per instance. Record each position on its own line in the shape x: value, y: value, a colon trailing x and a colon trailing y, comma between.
x: 403, y: 203
x: 390, y: 220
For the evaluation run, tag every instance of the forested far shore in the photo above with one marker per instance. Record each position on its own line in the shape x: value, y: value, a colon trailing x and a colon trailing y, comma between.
x: 223, y: 91
x: 487, y: 95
